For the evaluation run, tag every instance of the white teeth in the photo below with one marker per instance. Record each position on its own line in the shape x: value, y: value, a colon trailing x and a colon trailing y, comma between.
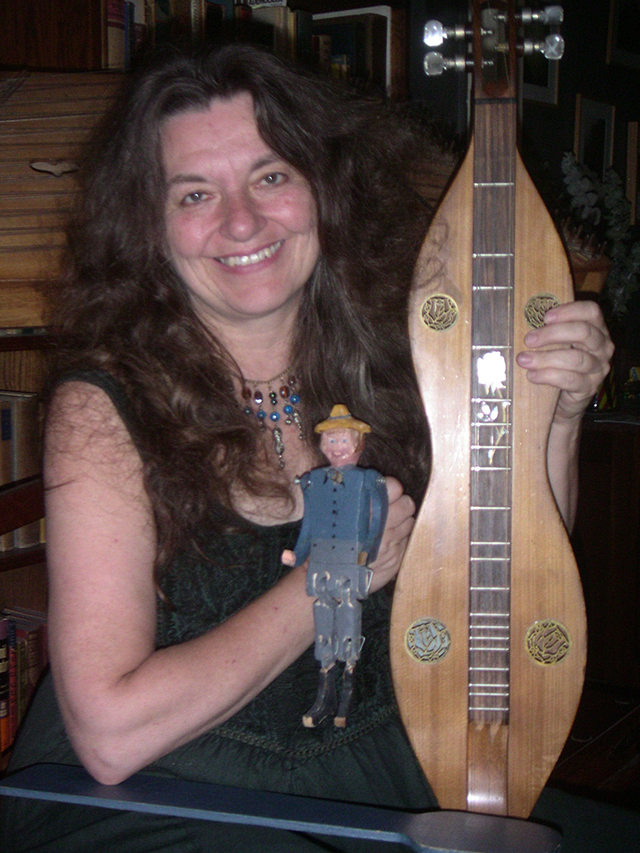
x: 256, y: 257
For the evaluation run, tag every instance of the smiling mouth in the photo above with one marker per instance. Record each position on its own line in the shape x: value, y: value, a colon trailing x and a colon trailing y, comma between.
x: 254, y: 258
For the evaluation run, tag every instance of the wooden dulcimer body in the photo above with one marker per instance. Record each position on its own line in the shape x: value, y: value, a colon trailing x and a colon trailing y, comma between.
x: 488, y: 633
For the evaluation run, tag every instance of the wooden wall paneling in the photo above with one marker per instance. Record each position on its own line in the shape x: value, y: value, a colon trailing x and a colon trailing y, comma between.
x: 44, y: 117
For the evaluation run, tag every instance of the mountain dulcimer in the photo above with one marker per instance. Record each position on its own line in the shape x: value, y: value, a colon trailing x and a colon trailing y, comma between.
x: 488, y: 632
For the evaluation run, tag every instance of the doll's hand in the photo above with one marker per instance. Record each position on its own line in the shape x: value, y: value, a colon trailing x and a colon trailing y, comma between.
x: 400, y: 520
x: 288, y: 558
x: 577, y: 358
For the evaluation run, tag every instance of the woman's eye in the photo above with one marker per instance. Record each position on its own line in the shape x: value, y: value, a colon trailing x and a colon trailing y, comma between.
x: 194, y: 198
x: 274, y: 178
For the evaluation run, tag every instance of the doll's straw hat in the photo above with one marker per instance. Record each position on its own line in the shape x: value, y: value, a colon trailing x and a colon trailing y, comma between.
x: 341, y: 418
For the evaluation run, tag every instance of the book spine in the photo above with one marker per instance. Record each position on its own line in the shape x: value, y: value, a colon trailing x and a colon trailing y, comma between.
x: 5, y: 722
x: 13, y: 681
x: 115, y: 30
x: 6, y: 433
x: 24, y: 452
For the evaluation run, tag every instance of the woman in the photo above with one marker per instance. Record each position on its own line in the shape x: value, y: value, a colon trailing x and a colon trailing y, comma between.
x: 237, y: 221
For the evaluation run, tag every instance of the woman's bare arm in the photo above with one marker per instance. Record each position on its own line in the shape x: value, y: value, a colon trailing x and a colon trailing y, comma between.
x: 124, y: 703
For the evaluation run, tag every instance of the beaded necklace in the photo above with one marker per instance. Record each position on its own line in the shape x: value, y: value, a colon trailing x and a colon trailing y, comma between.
x: 281, y: 391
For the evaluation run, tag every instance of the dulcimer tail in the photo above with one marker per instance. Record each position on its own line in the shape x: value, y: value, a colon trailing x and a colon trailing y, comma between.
x: 488, y: 629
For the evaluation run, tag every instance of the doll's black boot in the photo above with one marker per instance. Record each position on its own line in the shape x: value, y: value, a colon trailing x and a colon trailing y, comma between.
x: 326, y: 700
x: 346, y: 696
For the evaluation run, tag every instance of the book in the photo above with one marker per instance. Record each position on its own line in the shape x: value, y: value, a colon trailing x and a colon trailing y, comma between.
x: 129, y: 33
x: 115, y: 53
x: 13, y: 681
x: 6, y: 540
x: 281, y: 19
x: 5, y: 722
x: 302, y: 49
x: 27, y: 660
x: 25, y: 450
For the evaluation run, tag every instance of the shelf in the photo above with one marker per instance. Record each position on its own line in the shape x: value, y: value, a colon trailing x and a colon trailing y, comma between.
x: 17, y: 558
x: 21, y: 342
x: 22, y: 503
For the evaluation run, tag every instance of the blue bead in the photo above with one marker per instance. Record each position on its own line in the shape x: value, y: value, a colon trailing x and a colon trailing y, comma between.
x: 288, y: 409
x: 261, y: 414
x: 274, y: 416
x: 295, y: 399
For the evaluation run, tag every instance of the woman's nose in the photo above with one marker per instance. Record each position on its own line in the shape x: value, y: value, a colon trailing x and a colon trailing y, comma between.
x: 242, y: 218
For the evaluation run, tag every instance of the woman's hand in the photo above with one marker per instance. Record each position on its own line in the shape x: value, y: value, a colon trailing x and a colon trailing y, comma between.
x: 575, y: 360
x: 400, y: 520
x: 576, y: 357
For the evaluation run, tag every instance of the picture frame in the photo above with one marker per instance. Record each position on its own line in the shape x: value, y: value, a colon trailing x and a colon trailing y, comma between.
x: 593, y: 137
x: 539, y: 75
x: 623, y: 42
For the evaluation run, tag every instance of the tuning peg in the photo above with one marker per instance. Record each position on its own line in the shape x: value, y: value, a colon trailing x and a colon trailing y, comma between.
x: 435, y: 33
x: 549, y: 15
x: 435, y: 63
x: 552, y: 47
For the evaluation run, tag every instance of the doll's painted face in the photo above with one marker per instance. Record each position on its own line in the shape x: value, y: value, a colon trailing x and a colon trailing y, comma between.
x: 342, y: 446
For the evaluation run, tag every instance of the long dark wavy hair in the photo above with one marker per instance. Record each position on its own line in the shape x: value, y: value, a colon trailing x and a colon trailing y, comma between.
x: 122, y: 307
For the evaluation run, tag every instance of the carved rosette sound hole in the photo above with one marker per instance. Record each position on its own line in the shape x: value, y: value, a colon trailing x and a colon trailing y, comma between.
x: 439, y: 312
x: 537, y: 307
x: 428, y: 640
x: 547, y: 642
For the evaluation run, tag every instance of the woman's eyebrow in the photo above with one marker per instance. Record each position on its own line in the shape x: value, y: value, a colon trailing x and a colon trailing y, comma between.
x: 188, y: 178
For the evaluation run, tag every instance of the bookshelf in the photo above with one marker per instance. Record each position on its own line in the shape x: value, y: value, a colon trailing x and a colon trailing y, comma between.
x: 45, y: 118
x: 370, y: 43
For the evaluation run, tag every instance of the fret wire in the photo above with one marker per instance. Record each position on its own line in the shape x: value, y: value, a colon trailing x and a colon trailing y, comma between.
x: 483, y: 708
x: 479, y: 255
x: 479, y: 348
x: 489, y: 668
x: 490, y: 559
x: 483, y: 615
x: 480, y: 508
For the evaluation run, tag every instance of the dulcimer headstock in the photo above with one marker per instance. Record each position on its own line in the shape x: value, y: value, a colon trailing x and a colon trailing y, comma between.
x: 492, y: 43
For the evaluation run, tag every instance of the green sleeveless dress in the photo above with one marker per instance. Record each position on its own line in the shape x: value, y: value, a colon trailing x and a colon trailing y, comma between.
x: 264, y: 746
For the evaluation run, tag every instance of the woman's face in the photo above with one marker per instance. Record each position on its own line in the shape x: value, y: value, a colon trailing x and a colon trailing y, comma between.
x: 240, y: 221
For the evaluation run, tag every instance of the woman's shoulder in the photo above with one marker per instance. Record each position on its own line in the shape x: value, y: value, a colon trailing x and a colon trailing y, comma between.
x: 90, y: 399
x: 87, y: 425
